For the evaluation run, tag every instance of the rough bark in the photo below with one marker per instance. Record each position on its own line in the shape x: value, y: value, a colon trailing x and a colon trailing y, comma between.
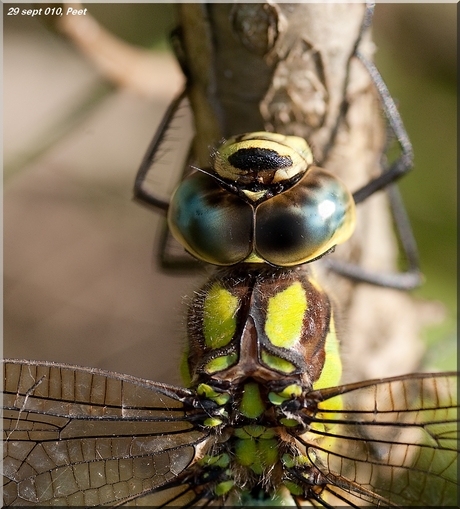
x: 290, y: 68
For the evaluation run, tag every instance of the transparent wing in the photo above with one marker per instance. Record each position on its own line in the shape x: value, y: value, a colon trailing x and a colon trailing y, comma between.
x: 182, y: 494
x: 80, y: 436
x: 392, y: 442
x: 168, y: 154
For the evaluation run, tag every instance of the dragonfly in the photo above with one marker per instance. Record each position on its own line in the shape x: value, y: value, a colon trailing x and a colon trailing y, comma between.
x: 264, y: 419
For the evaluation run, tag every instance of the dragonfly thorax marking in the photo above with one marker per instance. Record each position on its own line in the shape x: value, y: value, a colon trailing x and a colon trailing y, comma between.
x: 261, y: 325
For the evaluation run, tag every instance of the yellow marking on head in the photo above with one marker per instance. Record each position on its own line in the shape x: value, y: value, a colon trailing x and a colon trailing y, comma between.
x: 254, y: 195
x: 253, y: 258
x: 293, y: 147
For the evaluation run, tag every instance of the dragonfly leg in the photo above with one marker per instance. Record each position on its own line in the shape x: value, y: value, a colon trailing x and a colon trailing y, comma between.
x: 141, y: 193
x: 407, y: 280
x: 410, y: 278
x: 404, y: 162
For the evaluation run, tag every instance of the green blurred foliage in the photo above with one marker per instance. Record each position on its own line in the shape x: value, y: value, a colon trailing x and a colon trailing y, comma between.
x: 417, y: 58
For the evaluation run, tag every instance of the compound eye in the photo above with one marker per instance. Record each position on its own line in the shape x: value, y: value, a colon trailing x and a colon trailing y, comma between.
x: 306, y: 221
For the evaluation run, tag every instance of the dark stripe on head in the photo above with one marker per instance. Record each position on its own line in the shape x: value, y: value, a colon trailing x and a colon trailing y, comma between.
x: 258, y: 159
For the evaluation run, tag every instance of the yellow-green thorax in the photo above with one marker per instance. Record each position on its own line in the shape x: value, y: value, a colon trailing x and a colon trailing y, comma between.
x: 263, y: 325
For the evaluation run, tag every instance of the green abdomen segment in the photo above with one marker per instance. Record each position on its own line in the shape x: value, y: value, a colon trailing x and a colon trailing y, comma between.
x: 256, y: 458
x: 256, y: 446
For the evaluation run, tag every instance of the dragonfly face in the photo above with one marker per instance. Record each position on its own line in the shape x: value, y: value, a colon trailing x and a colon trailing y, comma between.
x: 275, y: 207
x: 257, y: 161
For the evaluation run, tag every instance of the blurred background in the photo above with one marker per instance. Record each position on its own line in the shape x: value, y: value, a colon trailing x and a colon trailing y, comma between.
x: 80, y: 282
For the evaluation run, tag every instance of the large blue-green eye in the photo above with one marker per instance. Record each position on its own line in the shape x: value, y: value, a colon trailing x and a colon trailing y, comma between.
x: 212, y: 224
x: 304, y: 222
